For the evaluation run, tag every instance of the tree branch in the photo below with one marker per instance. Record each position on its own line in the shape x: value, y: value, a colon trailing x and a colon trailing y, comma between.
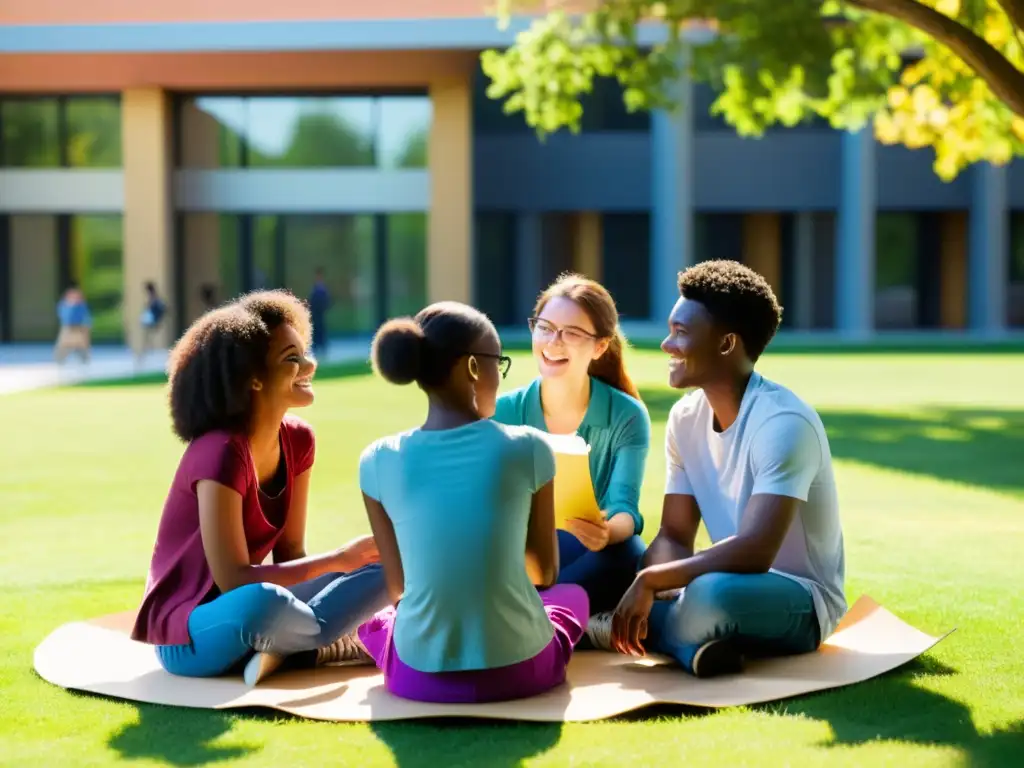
x: 1005, y: 80
x: 1014, y: 10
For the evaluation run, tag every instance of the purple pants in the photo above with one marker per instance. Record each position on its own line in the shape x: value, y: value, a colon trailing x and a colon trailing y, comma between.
x: 568, y: 608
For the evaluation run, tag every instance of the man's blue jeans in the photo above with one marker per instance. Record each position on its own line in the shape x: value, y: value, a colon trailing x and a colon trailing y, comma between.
x: 605, y: 575
x: 267, y: 617
x: 766, y: 614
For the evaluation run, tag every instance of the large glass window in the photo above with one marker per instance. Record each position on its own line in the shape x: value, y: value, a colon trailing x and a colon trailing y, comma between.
x: 210, y: 132
x: 718, y: 236
x: 495, y: 266
x: 344, y: 247
x: 210, y: 261
x: 406, y: 263
x: 61, y: 131
x: 374, y: 265
x: 93, y: 132
x: 284, y: 132
x: 96, y: 248
x: 1017, y: 247
x: 404, y: 130
x: 1015, y: 289
x: 30, y: 133
x: 627, y: 263
x: 304, y: 131
x: 896, y: 270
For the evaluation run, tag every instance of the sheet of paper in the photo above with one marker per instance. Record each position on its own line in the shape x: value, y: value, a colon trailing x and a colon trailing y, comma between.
x: 574, y: 488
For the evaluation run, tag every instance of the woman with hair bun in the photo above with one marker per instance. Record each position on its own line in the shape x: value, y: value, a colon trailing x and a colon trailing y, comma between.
x: 584, y: 388
x: 462, y: 512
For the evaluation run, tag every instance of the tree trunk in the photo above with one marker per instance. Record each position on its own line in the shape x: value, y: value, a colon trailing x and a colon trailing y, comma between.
x: 1005, y: 80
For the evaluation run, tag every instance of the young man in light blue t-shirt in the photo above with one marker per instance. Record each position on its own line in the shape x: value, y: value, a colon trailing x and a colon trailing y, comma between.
x: 752, y: 460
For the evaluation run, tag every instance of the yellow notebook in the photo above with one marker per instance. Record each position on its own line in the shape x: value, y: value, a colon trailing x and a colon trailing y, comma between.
x: 574, y: 488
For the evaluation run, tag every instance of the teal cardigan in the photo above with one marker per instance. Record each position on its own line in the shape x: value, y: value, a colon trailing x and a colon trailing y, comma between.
x: 618, y: 429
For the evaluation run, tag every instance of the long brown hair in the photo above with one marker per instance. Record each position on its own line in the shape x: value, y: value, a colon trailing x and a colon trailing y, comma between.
x: 594, y: 299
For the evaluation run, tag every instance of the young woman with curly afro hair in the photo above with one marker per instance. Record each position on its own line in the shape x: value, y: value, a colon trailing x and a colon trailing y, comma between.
x: 212, y: 604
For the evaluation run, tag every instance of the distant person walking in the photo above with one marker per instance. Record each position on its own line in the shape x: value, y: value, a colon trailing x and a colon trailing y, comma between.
x: 319, y: 303
x: 75, y: 333
x: 152, y: 317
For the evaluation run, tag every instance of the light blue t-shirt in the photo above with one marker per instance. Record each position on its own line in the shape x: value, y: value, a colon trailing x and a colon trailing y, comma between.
x: 459, y: 501
x: 617, y: 428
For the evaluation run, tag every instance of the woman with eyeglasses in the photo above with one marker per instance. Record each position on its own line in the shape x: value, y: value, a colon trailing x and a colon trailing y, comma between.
x: 462, y: 510
x: 583, y: 388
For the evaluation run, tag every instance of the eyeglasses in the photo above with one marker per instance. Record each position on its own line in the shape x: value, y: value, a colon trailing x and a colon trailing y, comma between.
x: 544, y: 331
x: 504, y: 361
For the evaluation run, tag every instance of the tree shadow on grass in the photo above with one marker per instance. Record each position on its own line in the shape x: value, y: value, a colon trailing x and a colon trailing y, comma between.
x: 178, y: 737
x: 895, y: 707
x: 185, y: 738
x: 975, y: 446
x: 466, y: 742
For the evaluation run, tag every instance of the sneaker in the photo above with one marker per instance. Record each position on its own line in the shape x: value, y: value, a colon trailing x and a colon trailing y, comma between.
x: 345, y: 650
x: 259, y: 666
x: 599, y: 631
x: 717, y: 657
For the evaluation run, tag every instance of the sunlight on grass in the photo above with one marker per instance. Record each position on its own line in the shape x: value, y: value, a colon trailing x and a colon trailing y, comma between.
x: 928, y: 458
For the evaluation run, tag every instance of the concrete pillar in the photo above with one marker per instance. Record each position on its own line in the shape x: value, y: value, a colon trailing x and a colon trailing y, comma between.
x: 855, y: 243
x: 148, y: 206
x: 803, y: 269
x: 450, y: 227
x: 529, y: 263
x: 988, y: 251
x: 672, y: 220
x: 953, y: 270
x: 587, y: 244
x: 34, y: 273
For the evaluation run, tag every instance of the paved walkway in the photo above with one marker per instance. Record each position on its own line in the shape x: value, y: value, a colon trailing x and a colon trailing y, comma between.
x: 27, y: 367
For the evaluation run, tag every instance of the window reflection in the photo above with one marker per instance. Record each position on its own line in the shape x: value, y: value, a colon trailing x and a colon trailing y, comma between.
x: 404, y: 131
x: 93, y: 130
x: 96, y: 248
x: 210, y: 132
x: 310, y: 132
x: 32, y: 129
x: 406, y: 263
x: 30, y: 133
x: 897, y: 249
x: 1017, y: 247
x: 304, y: 131
x: 495, y: 266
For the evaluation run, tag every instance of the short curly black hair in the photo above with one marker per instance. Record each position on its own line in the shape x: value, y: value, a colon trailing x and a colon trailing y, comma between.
x: 212, y: 366
x: 738, y: 299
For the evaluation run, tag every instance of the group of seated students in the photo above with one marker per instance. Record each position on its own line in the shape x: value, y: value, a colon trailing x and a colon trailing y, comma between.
x: 466, y: 591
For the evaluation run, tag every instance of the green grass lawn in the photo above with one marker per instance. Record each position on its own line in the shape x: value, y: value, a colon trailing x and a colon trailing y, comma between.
x: 929, y: 452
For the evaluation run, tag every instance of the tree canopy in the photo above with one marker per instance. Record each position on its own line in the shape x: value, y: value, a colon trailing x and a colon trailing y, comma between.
x: 946, y: 74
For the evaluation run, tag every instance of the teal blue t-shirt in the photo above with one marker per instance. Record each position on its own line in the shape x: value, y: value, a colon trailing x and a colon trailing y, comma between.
x: 618, y: 429
x: 459, y: 501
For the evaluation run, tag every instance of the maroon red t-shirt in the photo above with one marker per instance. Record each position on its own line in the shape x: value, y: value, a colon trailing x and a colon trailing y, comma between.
x: 179, y: 576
